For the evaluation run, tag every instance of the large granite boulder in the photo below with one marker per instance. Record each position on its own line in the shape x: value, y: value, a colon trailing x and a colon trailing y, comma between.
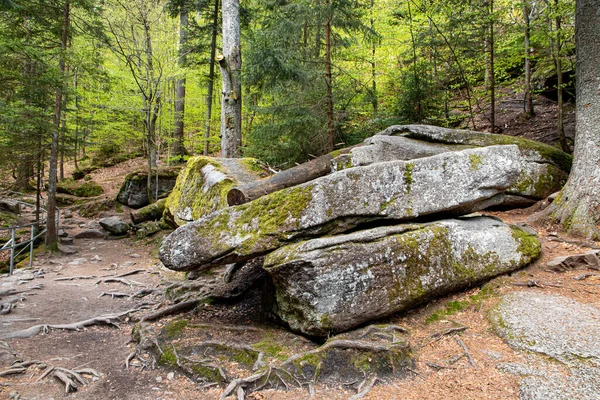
x: 333, y: 284
x: 545, y: 168
x: 457, y: 182
x: 203, y: 185
x: 134, y: 191
x: 114, y: 225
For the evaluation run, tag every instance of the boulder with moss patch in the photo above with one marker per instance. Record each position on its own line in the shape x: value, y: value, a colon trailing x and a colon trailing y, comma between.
x: 86, y: 189
x: 134, y: 191
x: 333, y: 284
x: 203, y: 185
x: 395, y: 190
x: 545, y: 168
x: 152, y: 212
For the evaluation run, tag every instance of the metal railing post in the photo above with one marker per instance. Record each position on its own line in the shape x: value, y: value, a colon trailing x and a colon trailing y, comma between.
x: 12, y: 251
x: 31, y: 245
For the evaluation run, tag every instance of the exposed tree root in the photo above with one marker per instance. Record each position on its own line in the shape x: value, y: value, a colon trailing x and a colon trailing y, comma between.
x: 434, y: 337
x: 126, y: 282
x: 12, y: 292
x: 74, y: 278
x: 114, y: 294
x: 363, y: 389
x: 171, y: 310
x: 72, y: 379
x: 108, y: 319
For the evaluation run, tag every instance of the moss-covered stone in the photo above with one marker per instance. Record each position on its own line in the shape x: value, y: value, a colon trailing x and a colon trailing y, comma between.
x: 86, y: 189
x: 202, y: 187
x: 135, y: 192
x: 332, y: 284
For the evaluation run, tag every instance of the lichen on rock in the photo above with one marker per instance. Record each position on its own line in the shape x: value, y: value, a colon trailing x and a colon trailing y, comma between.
x: 333, y: 284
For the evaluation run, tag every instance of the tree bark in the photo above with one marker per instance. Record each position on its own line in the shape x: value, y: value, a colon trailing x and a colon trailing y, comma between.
x: 290, y: 177
x: 329, y: 79
x: 559, y: 87
x: 231, y: 63
x: 211, y: 75
x: 52, y: 234
x: 492, y: 69
x: 577, y: 208
x: 528, y: 97
x: 178, y: 146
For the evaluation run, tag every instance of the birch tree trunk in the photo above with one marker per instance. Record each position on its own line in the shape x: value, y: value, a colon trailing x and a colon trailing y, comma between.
x: 231, y: 63
x: 577, y: 208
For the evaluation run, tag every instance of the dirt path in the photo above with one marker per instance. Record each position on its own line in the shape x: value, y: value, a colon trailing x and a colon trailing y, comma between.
x: 441, y: 372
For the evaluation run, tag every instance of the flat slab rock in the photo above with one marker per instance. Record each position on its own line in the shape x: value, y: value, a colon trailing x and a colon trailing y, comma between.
x: 545, y: 168
x: 577, y: 261
x: 565, y: 335
x: 333, y: 284
x: 458, y: 182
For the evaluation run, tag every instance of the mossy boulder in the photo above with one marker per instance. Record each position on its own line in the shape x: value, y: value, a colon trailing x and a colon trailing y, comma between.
x: 135, y: 193
x: 395, y: 190
x: 74, y: 188
x: 333, y: 284
x: 545, y: 168
x: 203, y: 185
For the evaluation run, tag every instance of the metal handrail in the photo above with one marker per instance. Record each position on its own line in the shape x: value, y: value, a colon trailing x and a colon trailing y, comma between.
x: 31, y: 240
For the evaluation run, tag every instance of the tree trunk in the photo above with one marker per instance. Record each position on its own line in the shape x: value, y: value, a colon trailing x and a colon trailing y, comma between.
x: 178, y: 146
x: 528, y: 97
x: 492, y: 70
x: 329, y: 79
x: 211, y: 75
x: 52, y: 234
x: 231, y: 63
x: 559, y: 87
x: 290, y: 177
x: 577, y: 208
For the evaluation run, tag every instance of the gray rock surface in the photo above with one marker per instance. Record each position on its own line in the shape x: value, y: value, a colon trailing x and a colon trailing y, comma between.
x: 134, y: 191
x: 565, y: 336
x: 90, y: 234
x: 545, y: 168
x: 10, y: 206
x: 333, y: 284
x: 575, y: 261
x: 394, y: 190
x: 114, y: 225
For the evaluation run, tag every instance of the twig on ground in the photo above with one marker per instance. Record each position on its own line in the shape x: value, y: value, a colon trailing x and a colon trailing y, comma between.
x: 127, y: 282
x: 466, y: 350
x: 434, y: 337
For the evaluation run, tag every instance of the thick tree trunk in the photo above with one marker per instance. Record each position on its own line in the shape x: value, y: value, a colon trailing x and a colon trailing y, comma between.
x: 290, y: 177
x: 211, y: 75
x: 231, y: 63
x: 329, y: 80
x: 51, y: 226
x: 528, y: 97
x: 178, y: 146
x: 492, y: 70
x: 559, y: 87
x: 577, y: 208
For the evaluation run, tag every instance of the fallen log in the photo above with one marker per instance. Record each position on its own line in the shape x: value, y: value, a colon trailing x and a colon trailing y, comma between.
x: 305, y: 172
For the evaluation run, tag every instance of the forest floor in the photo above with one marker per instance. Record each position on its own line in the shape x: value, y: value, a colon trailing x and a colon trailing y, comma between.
x: 65, y: 288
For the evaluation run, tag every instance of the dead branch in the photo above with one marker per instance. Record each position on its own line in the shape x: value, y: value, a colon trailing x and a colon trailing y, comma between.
x: 466, y: 350
x: 579, y: 243
x: 73, y: 278
x: 143, y: 293
x: 171, y: 310
x: 585, y: 276
x: 375, y: 329
x: 108, y: 319
x: 114, y: 294
x: 13, y: 371
x: 137, y: 271
x: 434, y: 337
